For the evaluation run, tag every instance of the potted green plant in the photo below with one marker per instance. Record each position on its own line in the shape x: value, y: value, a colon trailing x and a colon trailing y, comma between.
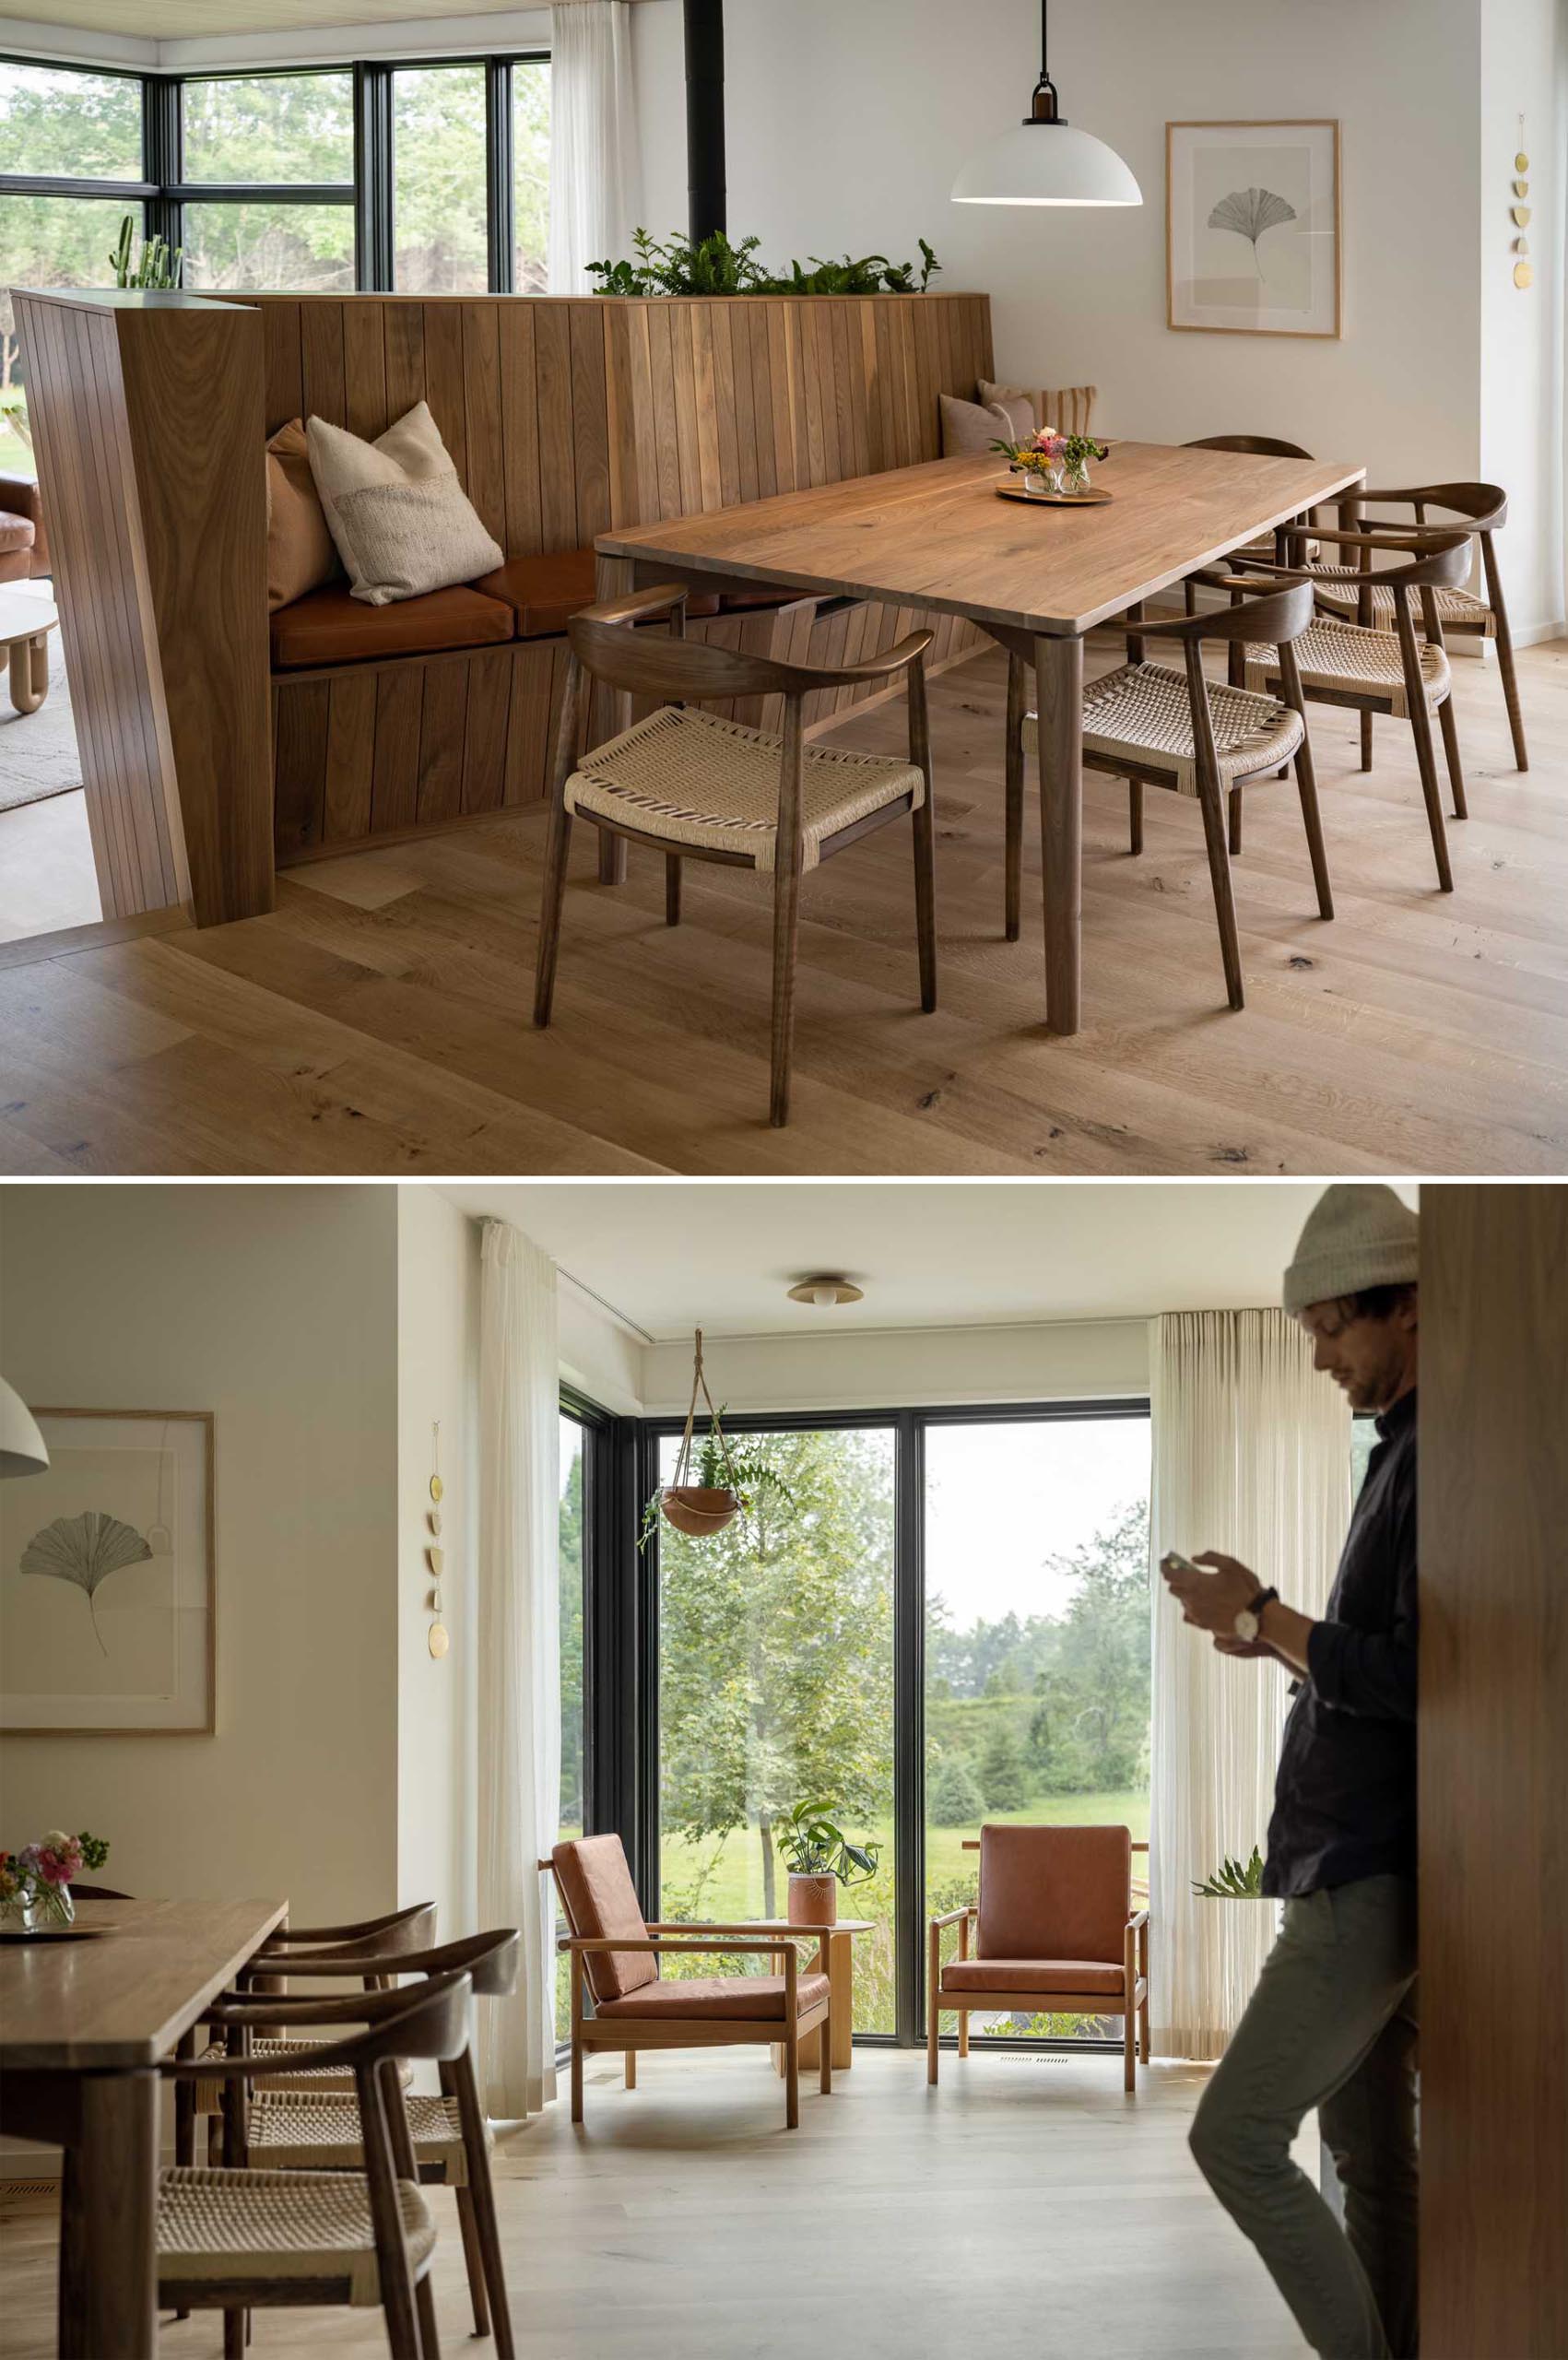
x: 821, y: 1857
x: 725, y: 1475
x: 1232, y: 1882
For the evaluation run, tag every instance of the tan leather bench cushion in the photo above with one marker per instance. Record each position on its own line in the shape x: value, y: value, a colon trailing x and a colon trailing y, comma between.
x: 16, y: 534
x: 331, y: 626
x: 543, y: 591
x: 1002, y: 1974
x: 738, y: 1999
x: 1053, y: 1892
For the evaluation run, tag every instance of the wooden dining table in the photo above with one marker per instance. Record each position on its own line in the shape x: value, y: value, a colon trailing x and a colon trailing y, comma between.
x: 1036, y: 577
x: 84, y: 2022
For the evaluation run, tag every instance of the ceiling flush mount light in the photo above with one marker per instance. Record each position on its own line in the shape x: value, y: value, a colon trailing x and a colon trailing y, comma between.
x: 826, y: 1290
x: 1044, y: 160
x: 22, y: 1450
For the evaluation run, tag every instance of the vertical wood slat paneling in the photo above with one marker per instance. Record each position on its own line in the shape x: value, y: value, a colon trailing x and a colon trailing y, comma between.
x: 485, y: 478
x: 520, y: 428
x: 321, y: 349
x: 444, y: 387
x: 364, y: 370
x: 558, y: 490
x: 350, y: 757
x: 396, y: 775
x: 443, y: 719
x: 1492, y: 1768
x: 590, y: 422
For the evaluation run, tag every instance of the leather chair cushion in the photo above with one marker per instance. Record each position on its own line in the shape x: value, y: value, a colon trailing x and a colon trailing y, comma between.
x: 1053, y: 1892
x: 331, y: 626
x: 17, y: 534
x: 738, y: 1999
x: 544, y: 592
x: 601, y: 1902
x: 1075, y: 1975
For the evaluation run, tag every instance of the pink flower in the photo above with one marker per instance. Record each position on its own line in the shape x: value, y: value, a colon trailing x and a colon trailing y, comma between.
x: 1049, y: 444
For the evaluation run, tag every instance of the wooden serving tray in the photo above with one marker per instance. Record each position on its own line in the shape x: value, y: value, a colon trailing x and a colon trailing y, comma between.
x: 1054, y: 499
x: 54, y: 1933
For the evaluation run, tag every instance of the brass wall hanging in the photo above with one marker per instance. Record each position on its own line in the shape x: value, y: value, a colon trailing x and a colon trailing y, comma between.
x: 1524, y: 272
x: 438, y: 1638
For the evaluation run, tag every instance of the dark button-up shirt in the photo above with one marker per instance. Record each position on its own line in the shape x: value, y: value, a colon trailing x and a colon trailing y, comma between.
x: 1345, y: 1797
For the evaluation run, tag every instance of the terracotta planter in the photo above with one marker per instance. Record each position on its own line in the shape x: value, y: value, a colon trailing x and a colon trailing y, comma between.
x: 813, y: 1901
x: 694, y: 1509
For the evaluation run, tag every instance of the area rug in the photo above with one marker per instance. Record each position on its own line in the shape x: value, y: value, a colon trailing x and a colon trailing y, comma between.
x: 37, y: 750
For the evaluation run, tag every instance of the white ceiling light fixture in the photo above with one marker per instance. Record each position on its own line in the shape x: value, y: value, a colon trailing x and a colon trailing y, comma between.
x: 22, y: 1450
x: 1044, y: 160
x: 826, y: 1290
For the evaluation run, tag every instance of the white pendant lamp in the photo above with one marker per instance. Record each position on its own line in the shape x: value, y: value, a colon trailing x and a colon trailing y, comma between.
x: 21, y: 1444
x: 1044, y: 160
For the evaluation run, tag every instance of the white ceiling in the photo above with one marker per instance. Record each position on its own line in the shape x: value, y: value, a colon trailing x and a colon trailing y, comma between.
x: 671, y: 1255
x: 188, y: 19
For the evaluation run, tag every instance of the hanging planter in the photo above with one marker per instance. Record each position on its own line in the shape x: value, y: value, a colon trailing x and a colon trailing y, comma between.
x: 703, y: 1507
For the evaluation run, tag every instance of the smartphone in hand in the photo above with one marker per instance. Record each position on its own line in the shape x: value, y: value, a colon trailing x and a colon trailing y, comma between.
x: 1172, y: 1561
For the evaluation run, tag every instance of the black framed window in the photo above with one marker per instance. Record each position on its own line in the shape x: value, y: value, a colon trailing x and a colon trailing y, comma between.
x: 266, y: 181
x: 956, y: 1613
x: 72, y: 153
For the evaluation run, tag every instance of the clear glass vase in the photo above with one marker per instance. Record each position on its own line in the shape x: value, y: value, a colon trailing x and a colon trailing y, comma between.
x: 1039, y: 483
x: 36, y: 1906
x: 1074, y: 478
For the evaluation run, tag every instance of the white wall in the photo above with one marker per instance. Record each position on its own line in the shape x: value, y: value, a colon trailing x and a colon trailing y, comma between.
x: 904, y: 1368
x: 438, y: 1345
x: 846, y: 126
x: 274, y: 1308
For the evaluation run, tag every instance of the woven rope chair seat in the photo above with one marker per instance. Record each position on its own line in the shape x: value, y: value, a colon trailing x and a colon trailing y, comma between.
x: 691, y: 778
x: 1457, y: 610
x: 217, y: 2226
x: 1142, y: 713
x: 288, y: 2132
x: 1347, y: 660
x: 317, y: 2081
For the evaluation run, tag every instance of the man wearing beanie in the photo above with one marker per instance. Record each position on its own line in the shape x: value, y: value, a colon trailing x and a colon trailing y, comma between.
x: 1332, y: 2023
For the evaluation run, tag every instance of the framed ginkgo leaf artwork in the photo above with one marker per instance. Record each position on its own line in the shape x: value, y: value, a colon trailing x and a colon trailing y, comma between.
x: 1252, y: 213
x: 107, y: 1580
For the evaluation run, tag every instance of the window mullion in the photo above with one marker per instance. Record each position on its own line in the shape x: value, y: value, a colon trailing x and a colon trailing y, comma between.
x: 163, y: 158
x: 372, y: 177
x: 499, y: 203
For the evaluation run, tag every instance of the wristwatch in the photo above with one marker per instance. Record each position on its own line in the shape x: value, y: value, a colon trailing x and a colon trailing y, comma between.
x: 1246, y: 1620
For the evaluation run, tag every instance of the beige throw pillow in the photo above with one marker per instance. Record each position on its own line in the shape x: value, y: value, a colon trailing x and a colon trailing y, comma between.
x: 300, y: 554
x: 1019, y: 404
x: 402, y: 521
x: 969, y: 425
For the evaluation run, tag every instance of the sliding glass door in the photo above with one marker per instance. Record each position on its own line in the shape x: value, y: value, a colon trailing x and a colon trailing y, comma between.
x: 1037, y: 1634
x: 775, y: 1687
x: 923, y: 1620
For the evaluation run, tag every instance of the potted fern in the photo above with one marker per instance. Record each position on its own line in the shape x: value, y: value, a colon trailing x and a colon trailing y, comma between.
x: 1232, y: 1882
x: 821, y: 1857
x: 713, y: 1479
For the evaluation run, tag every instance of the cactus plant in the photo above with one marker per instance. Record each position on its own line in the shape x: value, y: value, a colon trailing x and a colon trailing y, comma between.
x: 157, y: 266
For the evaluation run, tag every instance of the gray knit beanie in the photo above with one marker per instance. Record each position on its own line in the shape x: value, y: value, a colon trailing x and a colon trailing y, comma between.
x: 1358, y: 1234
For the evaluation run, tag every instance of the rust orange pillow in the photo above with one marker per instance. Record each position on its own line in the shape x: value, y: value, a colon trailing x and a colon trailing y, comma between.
x: 299, y: 552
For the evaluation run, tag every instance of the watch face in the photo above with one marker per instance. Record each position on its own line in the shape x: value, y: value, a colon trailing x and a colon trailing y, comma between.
x: 1246, y: 1624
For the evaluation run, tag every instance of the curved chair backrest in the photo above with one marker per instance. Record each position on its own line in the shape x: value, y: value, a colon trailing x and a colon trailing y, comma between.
x: 1280, y: 614
x: 400, y: 1929
x: 97, y: 1893
x: 432, y: 2020
x: 490, y: 1961
x: 1484, y: 506
x: 1258, y: 447
x: 667, y: 669
x: 1432, y: 556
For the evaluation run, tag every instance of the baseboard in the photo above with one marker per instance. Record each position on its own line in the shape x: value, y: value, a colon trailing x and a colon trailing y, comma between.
x: 1536, y: 634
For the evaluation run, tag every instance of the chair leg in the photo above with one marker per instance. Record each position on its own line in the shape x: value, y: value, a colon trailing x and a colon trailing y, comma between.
x: 1306, y: 783
x: 233, y: 2335
x: 1129, y: 2028
x: 472, y: 2261
x: 792, y: 2076
x: 1143, y: 2031
x: 1224, y: 899
x: 933, y: 2012
x: 1189, y: 596
x: 631, y: 2069
x: 672, y: 889
x: 825, y: 2060
x: 1135, y: 816
x: 925, y: 901
x: 1366, y: 741
x: 1451, y: 749
x: 963, y: 2032
x: 1018, y: 705
x: 556, y: 853
x: 1235, y: 801
x: 424, y: 2309
x: 481, y: 2199
x: 1511, y: 696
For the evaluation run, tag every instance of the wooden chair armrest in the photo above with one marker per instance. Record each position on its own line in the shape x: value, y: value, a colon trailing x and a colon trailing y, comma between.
x: 586, y: 1942
x: 953, y: 1917
x: 678, y: 1927
x: 638, y: 606
x: 1138, y: 1917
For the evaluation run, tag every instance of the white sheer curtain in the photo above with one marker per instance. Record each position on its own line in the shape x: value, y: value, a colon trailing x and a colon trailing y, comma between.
x: 1251, y: 1456
x: 519, y: 1705
x: 594, y: 160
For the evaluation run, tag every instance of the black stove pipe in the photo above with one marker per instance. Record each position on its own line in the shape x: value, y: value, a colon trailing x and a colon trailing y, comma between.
x: 705, y: 116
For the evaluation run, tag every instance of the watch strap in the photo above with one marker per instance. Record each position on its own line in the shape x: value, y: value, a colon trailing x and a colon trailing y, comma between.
x: 1264, y: 1597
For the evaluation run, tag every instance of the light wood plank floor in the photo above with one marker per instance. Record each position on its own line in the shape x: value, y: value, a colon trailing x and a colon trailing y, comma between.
x: 378, y: 1021
x: 1025, y: 2208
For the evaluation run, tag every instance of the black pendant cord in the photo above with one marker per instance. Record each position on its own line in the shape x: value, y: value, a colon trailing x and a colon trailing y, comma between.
x: 1044, y: 107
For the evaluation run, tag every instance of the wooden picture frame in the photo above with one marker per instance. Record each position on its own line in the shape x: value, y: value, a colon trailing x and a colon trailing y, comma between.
x: 167, y: 1636
x: 1214, y: 166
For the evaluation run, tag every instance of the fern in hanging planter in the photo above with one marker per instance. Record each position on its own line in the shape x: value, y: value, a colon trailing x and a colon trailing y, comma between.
x: 715, y: 1480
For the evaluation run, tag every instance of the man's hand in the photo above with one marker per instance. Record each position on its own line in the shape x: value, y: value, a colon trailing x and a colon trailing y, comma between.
x: 1211, y: 1601
x: 1234, y: 1647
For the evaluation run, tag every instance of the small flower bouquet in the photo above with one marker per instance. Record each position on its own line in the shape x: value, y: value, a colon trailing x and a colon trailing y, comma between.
x: 35, y: 1883
x: 1053, y: 462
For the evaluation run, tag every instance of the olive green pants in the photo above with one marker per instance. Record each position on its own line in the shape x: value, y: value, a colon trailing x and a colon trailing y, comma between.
x: 1332, y: 2025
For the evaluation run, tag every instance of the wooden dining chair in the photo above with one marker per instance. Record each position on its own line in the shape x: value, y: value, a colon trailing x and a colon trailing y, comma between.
x: 1054, y: 1932
x: 1482, y: 507
x: 1207, y: 739
x: 285, y: 2129
x: 692, y: 786
x: 236, y: 2240
x: 1369, y: 672
x: 614, y: 1958
x: 1287, y: 541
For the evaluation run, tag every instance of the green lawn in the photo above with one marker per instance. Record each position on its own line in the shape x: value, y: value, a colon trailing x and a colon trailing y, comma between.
x: 16, y: 459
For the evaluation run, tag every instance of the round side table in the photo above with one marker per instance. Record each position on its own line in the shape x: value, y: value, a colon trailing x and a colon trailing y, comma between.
x: 25, y: 626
